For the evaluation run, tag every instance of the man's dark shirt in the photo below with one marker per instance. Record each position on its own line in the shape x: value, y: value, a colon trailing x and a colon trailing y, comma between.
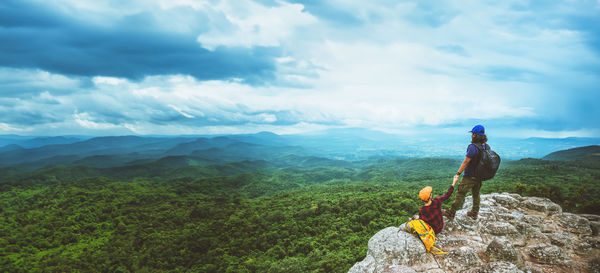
x: 432, y: 214
x: 473, y: 154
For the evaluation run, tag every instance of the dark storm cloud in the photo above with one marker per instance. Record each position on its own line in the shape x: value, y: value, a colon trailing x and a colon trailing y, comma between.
x: 35, y: 36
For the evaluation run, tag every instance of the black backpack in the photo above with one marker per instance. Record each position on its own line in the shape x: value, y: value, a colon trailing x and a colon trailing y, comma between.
x: 488, y: 163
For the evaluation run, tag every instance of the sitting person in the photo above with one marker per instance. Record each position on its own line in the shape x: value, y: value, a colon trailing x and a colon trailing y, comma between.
x: 431, y: 212
x: 429, y: 222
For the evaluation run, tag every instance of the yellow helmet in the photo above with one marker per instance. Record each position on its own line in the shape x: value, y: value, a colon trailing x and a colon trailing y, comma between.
x: 425, y: 193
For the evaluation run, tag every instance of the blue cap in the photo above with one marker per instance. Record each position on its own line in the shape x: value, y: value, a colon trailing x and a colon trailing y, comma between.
x: 478, y: 129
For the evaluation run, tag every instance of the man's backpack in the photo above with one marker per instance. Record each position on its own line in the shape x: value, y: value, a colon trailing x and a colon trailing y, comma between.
x: 488, y: 163
x: 425, y: 233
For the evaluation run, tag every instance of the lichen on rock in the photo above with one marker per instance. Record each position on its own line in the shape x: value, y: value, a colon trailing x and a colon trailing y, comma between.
x: 548, y: 254
x: 501, y: 249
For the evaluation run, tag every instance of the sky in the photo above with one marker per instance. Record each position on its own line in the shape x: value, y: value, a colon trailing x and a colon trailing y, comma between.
x: 170, y: 67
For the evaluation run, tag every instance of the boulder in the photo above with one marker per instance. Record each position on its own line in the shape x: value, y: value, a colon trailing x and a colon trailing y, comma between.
x: 496, y: 267
x: 460, y: 259
x: 398, y: 269
x: 594, y: 241
x: 560, y: 239
x: 587, y: 245
x: 575, y: 223
x: 445, y: 241
x: 506, y: 200
x: 512, y: 234
x: 548, y: 254
x: 462, y: 222
x: 500, y: 249
x: 392, y: 246
x: 582, y: 247
x: 499, y: 228
x: 551, y: 227
x: 595, y: 226
x: 515, y: 196
x: 591, y: 217
x: 531, y: 269
x: 367, y: 265
x: 541, y: 204
x: 399, y: 247
x: 486, y: 202
x: 530, y: 231
x: 533, y: 220
x: 506, y: 217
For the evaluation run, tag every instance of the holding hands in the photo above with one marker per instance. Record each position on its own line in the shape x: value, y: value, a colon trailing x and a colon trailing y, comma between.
x: 455, y: 180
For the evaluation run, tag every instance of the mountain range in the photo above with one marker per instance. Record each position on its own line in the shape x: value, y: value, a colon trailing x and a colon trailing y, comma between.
x: 344, y: 144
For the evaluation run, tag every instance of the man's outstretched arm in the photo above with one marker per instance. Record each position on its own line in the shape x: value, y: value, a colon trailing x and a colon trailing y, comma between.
x: 450, y: 190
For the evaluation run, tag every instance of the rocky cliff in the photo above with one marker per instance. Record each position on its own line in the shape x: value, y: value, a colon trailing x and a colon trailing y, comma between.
x: 513, y: 234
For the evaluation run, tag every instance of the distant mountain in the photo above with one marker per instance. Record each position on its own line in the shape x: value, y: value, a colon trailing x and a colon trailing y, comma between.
x: 238, y: 151
x: 112, y: 151
x: 575, y: 153
x: 310, y: 161
x: 43, y: 141
x: 202, y: 143
x: 34, y: 142
x: 262, y: 138
x: 144, y: 147
x: 188, y: 147
x: 349, y: 144
x: 10, y: 148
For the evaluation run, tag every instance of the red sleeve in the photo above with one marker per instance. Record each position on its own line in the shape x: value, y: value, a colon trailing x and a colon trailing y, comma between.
x: 446, y: 196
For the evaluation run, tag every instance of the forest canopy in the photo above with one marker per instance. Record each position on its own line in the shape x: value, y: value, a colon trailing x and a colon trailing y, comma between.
x: 248, y: 216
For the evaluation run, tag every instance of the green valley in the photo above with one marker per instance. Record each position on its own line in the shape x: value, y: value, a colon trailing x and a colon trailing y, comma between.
x: 286, y: 214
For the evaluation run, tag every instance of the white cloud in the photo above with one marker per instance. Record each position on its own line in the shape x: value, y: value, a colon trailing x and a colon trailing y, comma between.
x: 180, y: 111
x: 98, y: 80
x: 388, y: 71
x: 253, y: 24
x: 15, y: 82
x: 11, y: 129
x: 153, y: 105
x: 86, y: 121
x: 269, y: 118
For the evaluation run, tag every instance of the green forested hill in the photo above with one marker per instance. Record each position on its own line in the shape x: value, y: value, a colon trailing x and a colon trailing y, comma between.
x: 297, y: 214
x: 579, y: 153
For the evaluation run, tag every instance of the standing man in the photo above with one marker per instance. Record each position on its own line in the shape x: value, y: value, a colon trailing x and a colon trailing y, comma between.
x: 469, y: 182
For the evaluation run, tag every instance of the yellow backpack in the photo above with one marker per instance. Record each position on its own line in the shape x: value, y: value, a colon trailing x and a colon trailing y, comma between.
x: 425, y: 233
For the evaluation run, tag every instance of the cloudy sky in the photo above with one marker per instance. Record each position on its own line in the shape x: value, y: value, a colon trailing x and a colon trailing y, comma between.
x: 108, y: 67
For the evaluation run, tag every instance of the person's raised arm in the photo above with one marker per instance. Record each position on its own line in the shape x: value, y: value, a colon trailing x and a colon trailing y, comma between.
x: 463, y: 166
x: 450, y: 190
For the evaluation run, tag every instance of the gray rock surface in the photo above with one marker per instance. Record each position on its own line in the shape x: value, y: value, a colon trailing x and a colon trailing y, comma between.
x: 548, y: 254
x: 595, y: 226
x: 512, y: 234
x: 398, y: 269
x: 392, y: 246
x: 541, y: 204
x: 501, y: 249
x: 560, y: 239
x: 591, y: 217
x: 575, y: 223
x: 506, y: 200
x: 496, y: 267
x: 461, y: 258
x: 499, y: 228
x: 533, y: 220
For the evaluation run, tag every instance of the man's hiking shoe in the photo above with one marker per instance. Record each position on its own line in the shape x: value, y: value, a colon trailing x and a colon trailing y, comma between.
x: 449, y: 214
x: 472, y: 214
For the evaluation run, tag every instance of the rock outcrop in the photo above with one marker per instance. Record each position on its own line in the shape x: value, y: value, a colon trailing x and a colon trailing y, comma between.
x: 512, y: 234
